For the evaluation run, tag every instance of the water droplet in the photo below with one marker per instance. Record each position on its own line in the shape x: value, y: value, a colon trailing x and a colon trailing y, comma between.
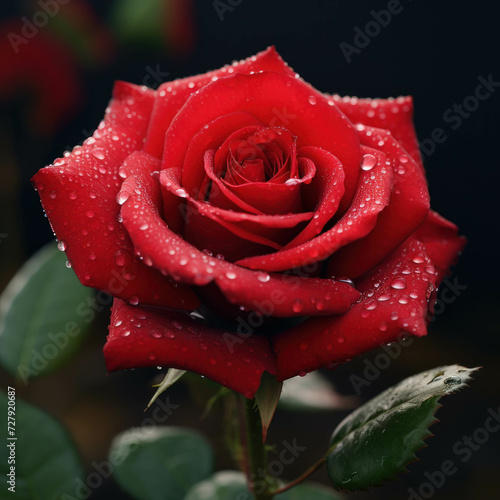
x: 297, y: 306
x: 133, y: 301
x: 182, y: 193
x: 98, y: 153
x: 320, y: 305
x: 403, y: 159
x: 212, y: 361
x: 53, y: 195
x: 263, y: 277
x: 292, y: 182
x: 72, y: 195
x: 398, y: 284
x: 144, y: 226
x: 203, y: 347
x: 418, y: 259
x: 383, y: 326
x: 156, y: 334
x: 126, y: 333
x: 122, y: 197
x: 414, y: 295
x: 340, y: 339
x: 368, y: 162
x: 231, y: 275
x: 383, y: 297
x: 61, y: 245
x: 92, y: 256
x: 312, y: 100
x: 453, y: 380
x: 120, y: 257
x: 345, y: 280
x: 68, y: 264
x: 90, y: 214
x: 403, y: 299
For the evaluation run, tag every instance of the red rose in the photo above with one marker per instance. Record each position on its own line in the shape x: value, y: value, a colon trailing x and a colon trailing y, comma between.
x: 249, y: 193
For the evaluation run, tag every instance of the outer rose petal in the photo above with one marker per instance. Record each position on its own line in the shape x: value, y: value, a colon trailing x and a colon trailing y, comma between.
x: 277, y: 100
x: 395, y: 115
x: 139, y: 337
x: 441, y: 240
x: 173, y: 95
x: 372, y: 195
x: 172, y: 255
x: 78, y: 194
x: 407, y: 209
x: 395, y: 298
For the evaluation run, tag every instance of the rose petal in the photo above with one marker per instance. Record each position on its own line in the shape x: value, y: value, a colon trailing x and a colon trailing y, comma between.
x: 395, y: 299
x: 406, y: 211
x: 227, y: 232
x: 193, y: 175
x: 78, y: 194
x: 441, y: 240
x: 172, y: 255
x: 277, y: 100
x: 173, y: 95
x: 373, y: 194
x: 324, y: 193
x: 139, y: 338
x: 395, y: 115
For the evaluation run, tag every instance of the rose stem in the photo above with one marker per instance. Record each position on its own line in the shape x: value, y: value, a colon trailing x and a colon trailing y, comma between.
x: 254, y: 449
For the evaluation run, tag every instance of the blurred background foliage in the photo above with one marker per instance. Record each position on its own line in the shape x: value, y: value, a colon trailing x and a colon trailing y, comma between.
x: 55, y: 84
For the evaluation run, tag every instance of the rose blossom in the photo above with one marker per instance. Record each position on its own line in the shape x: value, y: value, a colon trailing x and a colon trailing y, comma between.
x: 295, y: 223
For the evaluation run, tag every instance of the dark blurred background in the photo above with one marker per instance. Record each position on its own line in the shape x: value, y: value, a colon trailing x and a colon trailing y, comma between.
x: 56, y: 76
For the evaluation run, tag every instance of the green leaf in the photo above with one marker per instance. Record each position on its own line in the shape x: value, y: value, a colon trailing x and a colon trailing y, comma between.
x: 376, y: 441
x: 153, y: 461
x: 43, y: 316
x: 312, y: 393
x: 267, y: 397
x: 47, y: 465
x: 231, y: 485
x: 171, y: 377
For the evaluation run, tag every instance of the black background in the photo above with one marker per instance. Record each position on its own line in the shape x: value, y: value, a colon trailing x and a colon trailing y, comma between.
x: 435, y: 51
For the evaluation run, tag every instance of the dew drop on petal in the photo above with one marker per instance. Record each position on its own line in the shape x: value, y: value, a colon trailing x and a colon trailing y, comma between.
x: 122, y: 197
x: 231, y: 275
x: 368, y: 162
x: 90, y: 214
x: 61, y: 245
x: 383, y: 297
x: 398, y: 284
x: 133, y: 301
x: 297, y: 306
